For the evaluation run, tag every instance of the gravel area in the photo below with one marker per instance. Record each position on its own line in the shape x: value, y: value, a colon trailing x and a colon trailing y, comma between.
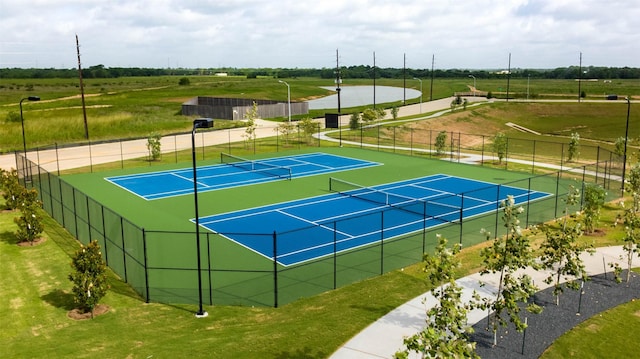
x: 598, y: 294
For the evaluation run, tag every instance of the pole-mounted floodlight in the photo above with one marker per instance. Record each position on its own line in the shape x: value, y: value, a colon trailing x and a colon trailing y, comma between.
x: 474, y: 84
x: 24, y: 140
x: 626, y: 136
x: 198, y: 123
x: 288, y: 97
x: 415, y: 78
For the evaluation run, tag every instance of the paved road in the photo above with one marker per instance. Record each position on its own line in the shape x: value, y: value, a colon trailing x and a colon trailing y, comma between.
x: 81, y: 156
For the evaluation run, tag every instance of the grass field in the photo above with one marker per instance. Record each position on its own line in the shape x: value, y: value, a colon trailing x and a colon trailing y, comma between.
x: 34, y: 285
x: 137, y: 107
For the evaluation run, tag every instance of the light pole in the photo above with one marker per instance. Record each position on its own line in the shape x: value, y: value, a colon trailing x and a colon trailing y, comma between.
x: 474, y: 85
x: 198, y: 123
x: 415, y: 78
x: 24, y: 140
x: 288, y: 97
x: 626, y: 136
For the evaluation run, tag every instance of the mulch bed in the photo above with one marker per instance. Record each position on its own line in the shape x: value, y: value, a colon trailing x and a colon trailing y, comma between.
x: 598, y: 294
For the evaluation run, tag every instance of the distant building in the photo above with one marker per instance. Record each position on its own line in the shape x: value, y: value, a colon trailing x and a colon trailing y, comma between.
x: 226, y: 108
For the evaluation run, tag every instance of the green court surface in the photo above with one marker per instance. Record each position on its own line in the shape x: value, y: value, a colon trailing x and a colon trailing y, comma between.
x: 156, y: 246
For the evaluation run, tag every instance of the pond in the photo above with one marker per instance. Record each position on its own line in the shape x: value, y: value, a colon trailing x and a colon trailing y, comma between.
x: 352, y: 96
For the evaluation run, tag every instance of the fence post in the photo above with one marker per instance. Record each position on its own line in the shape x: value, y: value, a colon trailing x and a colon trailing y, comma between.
x: 382, y: 243
x: 461, y: 216
x: 335, y: 256
x: 146, y: 269
x: 533, y: 162
x: 124, y: 251
x: 275, y: 270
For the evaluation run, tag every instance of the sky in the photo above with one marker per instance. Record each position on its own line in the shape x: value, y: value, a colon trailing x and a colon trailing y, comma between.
x: 460, y: 34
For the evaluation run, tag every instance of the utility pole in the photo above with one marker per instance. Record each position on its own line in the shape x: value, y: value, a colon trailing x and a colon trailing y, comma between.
x: 84, y: 109
x: 433, y: 60
x: 508, y: 76
x: 580, y: 77
x: 404, y: 79
x: 374, y: 80
x: 338, y: 80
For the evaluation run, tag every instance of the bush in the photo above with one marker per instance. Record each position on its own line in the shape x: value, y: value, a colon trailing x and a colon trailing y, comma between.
x: 184, y: 81
x: 12, y: 116
x: 89, y: 277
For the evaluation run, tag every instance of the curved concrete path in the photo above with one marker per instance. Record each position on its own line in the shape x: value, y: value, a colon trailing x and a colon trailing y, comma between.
x: 383, y: 338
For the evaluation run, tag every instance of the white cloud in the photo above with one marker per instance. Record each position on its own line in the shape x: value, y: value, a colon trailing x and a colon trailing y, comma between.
x: 305, y: 33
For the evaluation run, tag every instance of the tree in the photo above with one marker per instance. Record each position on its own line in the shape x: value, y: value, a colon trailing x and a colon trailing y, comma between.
x: 369, y: 115
x: 285, y: 129
x: 441, y: 142
x: 29, y: 223
x: 574, y: 146
x: 154, y: 146
x: 631, y: 221
x: 446, y: 334
x: 594, y: 197
x: 619, y: 146
x: 354, y: 121
x: 89, y: 277
x: 394, y: 112
x: 11, y: 188
x: 561, y: 250
x: 308, y: 127
x: 499, y: 145
x: 506, y: 255
x: 250, y: 131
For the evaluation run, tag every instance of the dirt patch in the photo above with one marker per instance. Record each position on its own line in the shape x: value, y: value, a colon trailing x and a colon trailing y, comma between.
x: 76, y: 314
x: 598, y: 232
x: 35, y: 242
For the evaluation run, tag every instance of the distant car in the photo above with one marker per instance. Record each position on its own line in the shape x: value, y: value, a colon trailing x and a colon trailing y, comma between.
x: 612, y: 97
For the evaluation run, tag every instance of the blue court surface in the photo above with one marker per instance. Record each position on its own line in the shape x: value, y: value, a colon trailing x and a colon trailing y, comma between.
x: 310, y: 228
x: 157, y: 185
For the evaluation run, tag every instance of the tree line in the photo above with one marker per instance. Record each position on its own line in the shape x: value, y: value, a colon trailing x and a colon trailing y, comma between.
x: 347, y: 72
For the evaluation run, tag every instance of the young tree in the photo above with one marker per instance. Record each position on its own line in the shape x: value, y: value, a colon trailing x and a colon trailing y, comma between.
x: 250, y: 117
x: 154, y: 146
x: 574, y: 147
x: 499, y: 145
x: 631, y: 221
x: 506, y: 256
x: 619, y: 146
x: 594, y: 197
x: 446, y: 334
x: 441, y: 142
x: 561, y: 250
x: 285, y: 129
x: 394, y: 113
x: 308, y: 128
x: 354, y: 121
x: 29, y: 223
x: 89, y: 277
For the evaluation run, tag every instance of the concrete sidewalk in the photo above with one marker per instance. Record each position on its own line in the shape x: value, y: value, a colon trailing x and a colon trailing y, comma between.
x: 384, y: 338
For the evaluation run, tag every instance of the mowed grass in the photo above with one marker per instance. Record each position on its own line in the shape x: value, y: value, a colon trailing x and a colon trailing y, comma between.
x: 36, y: 293
x: 606, y: 335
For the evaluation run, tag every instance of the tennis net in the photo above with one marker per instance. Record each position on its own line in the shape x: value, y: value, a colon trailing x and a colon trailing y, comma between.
x: 425, y: 208
x: 256, y: 166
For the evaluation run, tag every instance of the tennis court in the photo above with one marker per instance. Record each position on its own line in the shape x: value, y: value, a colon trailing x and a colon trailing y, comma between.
x: 356, y: 216
x: 232, y: 172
